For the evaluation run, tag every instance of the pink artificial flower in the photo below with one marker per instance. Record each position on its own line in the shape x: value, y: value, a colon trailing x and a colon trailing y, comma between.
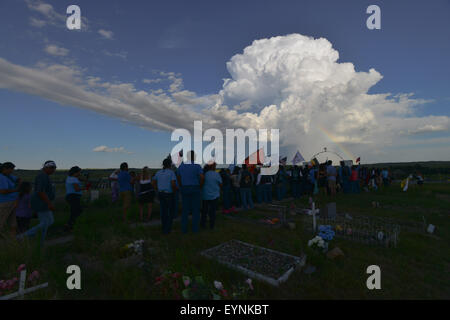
x: 21, y: 267
x: 249, y: 282
x: 186, y: 282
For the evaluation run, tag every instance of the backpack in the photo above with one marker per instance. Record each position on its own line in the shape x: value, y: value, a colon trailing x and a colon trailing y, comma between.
x: 246, y: 179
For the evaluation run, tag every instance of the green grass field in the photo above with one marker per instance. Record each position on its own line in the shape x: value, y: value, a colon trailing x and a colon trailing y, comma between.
x: 417, y: 269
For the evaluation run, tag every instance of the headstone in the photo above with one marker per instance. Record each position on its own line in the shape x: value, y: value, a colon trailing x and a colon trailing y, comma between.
x: 94, y: 195
x: 329, y: 211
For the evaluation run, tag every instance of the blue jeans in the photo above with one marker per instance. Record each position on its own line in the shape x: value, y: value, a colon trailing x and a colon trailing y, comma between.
x: 209, y: 210
x: 176, y: 200
x: 281, y: 191
x: 355, y: 186
x: 167, y: 205
x: 226, y: 196
x: 237, y: 196
x: 246, y: 198
x: 267, y: 192
x: 191, y: 197
x: 295, y: 189
x: 45, y: 221
x: 259, y: 193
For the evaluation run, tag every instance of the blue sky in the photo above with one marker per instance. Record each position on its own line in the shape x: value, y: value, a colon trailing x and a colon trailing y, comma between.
x: 194, y: 40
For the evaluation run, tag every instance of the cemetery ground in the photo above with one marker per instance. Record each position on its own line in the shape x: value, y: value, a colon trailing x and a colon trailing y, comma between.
x: 416, y: 269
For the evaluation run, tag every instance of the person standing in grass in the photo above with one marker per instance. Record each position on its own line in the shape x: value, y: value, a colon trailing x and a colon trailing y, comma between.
x: 354, y: 180
x: 258, y: 186
x: 73, y: 196
x: 226, y: 190
x: 245, y: 187
x: 41, y: 201
x: 331, y: 177
x: 211, y: 194
x: 164, y: 183
x: 125, y: 188
x: 265, y: 181
x: 176, y: 193
x: 190, y: 179
x: 385, y: 177
x: 114, y: 185
x: 8, y: 197
x: 146, y: 193
x: 235, y: 188
x: 23, y: 207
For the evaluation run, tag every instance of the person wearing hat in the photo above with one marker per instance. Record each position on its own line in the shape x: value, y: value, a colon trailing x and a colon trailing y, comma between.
x: 73, y: 195
x: 41, y: 201
x: 8, y: 196
x: 164, y: 182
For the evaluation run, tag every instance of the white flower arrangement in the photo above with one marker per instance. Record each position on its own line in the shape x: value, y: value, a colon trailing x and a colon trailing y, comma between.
x: 136, y: 246
x: 318, y: 242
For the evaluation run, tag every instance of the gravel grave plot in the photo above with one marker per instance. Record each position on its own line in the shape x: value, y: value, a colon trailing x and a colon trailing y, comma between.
x: 267, y: 265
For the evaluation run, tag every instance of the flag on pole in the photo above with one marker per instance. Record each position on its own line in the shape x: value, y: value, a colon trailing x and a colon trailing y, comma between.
x: 358, y: 160
x: 256, y: 158
x: 297, y: 158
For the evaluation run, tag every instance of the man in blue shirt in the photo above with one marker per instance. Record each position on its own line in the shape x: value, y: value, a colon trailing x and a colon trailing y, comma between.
x: 211, y: 194
x: 164, y: 182
x: 8, y: 196
x: 124, y: 179
x: 190, y: 179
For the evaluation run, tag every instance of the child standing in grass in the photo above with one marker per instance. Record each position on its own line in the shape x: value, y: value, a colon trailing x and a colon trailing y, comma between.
x: 23, y: 207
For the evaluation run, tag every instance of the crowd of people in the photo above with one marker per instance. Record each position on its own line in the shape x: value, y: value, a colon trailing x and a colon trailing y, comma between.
x: 195, y: 189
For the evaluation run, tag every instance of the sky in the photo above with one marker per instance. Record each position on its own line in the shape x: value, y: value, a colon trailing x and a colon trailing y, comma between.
x: 137, y: 70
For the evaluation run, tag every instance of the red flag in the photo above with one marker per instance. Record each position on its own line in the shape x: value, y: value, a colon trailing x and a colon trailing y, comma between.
x: 359, y: 159
x: 256, y: 158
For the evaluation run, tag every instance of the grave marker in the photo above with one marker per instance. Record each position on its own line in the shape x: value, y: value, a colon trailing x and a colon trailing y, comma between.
x: 22, y: 291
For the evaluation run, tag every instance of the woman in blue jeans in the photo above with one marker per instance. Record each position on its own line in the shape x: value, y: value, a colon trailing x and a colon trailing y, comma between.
x: 41, y: 201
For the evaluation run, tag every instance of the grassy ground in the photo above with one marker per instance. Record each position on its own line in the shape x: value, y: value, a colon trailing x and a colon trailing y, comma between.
x: 416, y: 269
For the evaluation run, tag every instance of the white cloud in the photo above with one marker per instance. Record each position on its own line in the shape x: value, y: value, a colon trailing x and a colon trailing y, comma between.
x: 106, y: 34
x: 54, y: 50
x: 37, y: 22
x: 110, y: 150
x: 294, y: 83
x: 121, y: 54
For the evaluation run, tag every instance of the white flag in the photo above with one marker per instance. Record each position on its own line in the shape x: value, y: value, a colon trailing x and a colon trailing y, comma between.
x: 297, y: 158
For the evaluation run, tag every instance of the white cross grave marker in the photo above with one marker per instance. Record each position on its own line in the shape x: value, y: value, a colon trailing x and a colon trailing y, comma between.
x: 313, y: 212
x: 22, y: 291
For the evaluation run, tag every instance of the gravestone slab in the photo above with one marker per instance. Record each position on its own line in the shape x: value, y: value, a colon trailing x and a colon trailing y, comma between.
x: 328, y: 211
